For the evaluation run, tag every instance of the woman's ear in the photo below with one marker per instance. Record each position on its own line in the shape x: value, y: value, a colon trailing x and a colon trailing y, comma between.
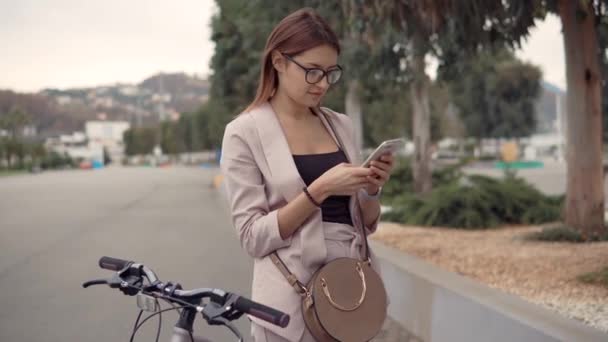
x: 278, y: 62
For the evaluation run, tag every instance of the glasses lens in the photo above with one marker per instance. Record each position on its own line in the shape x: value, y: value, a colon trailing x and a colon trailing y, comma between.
x: 314, y: 75
x: 334, y: 75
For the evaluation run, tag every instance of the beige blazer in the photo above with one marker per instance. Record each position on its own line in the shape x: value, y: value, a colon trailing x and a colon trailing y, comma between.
x: 260, y: 177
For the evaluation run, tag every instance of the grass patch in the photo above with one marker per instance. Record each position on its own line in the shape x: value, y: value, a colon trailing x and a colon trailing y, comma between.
x: 562, y: 233
x: 6, y: 173
x: 596, y: 278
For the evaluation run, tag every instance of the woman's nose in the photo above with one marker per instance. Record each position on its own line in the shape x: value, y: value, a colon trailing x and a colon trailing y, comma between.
x: 323, y: 83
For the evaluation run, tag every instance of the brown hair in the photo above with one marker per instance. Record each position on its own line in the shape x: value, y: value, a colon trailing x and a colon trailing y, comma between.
x: 302, y: 30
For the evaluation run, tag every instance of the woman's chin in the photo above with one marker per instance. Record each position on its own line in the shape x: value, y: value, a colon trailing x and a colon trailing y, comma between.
x: 312, y: 102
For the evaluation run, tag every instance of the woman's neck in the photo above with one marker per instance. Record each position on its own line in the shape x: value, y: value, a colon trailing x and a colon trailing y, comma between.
x: 287, y: 108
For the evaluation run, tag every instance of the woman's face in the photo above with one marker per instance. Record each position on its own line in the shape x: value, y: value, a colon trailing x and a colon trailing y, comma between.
x: 293, y: 79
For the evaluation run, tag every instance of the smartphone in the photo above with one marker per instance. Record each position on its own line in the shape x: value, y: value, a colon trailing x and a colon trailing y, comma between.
x: 386, y: 147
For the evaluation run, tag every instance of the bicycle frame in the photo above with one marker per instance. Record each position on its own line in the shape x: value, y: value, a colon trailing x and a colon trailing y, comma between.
x: 181, y: 335
x: 182, y: 331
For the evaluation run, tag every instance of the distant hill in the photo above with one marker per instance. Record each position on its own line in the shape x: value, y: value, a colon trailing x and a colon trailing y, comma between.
x: 48, y: 117
x: 57, y: 111
x: 185, y: 91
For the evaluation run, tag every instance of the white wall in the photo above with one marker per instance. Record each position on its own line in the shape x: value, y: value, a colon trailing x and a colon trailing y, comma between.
x: 106, y: 130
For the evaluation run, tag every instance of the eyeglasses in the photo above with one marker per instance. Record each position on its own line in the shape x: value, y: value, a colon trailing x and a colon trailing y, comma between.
x: 315, y: 75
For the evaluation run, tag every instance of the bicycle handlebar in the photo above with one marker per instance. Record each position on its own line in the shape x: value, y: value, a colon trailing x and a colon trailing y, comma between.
x: 240, y: 303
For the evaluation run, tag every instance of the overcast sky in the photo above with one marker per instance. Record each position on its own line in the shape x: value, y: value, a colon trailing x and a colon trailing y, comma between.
x: 75, y: 43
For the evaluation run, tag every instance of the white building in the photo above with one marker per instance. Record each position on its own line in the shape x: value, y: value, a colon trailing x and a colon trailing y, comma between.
x: 76, y: 146
x: 108, y: 134
x: 89, y: 145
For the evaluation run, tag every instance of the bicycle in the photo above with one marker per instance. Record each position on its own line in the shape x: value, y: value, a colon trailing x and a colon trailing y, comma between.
x: 221, y: 308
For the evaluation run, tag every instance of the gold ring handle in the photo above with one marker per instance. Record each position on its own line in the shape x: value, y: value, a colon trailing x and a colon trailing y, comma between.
x: 363, y: 292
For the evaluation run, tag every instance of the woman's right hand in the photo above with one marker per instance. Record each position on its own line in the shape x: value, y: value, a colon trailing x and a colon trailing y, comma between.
x: 342, y: 180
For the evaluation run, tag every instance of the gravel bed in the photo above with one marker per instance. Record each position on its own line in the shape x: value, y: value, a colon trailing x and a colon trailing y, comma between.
x: 541, y: 272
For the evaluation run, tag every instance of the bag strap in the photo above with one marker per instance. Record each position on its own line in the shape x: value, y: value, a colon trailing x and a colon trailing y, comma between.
x: 358, y: 205
x: 274, y: 256
x: 291, y: 278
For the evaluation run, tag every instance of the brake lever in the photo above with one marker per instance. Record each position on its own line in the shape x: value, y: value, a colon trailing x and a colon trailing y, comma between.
x: 216, y: 314
x: 229, y: 312
x: 94, y: 282
x: 128, y: 285
x: 212, y: 313
x: 115, y: 282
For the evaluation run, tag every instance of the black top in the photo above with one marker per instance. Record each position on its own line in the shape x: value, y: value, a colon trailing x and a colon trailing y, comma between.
x: 311, y: 166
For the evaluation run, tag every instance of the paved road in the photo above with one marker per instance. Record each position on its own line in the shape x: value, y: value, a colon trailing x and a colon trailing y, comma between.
x: 55, y: 226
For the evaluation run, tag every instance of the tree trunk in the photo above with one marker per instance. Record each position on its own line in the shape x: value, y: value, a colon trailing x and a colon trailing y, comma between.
x: 421, y: 127
x: 353, y: 109
x: 584, y: 208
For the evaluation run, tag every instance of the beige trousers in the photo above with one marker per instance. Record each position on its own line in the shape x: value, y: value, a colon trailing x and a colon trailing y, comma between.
x: 341, y: 241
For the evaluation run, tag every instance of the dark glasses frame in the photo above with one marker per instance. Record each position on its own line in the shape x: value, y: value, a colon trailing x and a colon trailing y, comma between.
x: 325, y: 74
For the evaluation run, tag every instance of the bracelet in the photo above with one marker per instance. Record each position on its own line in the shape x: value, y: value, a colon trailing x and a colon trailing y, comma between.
x: 305, y: 189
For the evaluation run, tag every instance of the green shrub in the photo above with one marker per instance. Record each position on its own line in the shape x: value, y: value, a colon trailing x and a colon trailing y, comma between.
x: 562, y: 233
x: 449, y: 173
x: 457, y: 204
x: 599, y: 277
x: 402, y: 178
x: 54, y: 160
x: 402, y: 207
x: 401, y: 181
x: 556, y: 234
x: 544, y: 211
x: 476, y: 202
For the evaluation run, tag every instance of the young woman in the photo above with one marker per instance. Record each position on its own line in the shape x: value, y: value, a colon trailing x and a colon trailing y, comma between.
x: 292, y: 186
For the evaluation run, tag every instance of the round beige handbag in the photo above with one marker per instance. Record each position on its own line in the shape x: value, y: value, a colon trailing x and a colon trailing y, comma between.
x: 345, y: 300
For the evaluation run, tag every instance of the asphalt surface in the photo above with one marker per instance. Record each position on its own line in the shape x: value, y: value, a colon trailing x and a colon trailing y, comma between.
x: 54, y: 227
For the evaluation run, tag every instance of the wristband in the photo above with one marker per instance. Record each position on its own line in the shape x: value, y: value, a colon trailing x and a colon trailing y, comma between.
x: 305, y: 189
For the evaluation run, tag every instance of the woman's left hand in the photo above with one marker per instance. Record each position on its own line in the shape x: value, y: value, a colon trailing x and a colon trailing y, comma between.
x: 382, y: 169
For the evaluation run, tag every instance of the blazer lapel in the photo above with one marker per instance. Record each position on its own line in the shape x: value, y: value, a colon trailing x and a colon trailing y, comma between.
x: 276, y: 150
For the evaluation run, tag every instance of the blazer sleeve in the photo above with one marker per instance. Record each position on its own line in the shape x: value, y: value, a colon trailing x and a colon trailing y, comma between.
x: 256, y: 225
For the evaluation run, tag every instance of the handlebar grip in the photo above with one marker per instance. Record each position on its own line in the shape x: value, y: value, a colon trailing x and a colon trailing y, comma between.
x: 262, y: 312
x: 113, y: 264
